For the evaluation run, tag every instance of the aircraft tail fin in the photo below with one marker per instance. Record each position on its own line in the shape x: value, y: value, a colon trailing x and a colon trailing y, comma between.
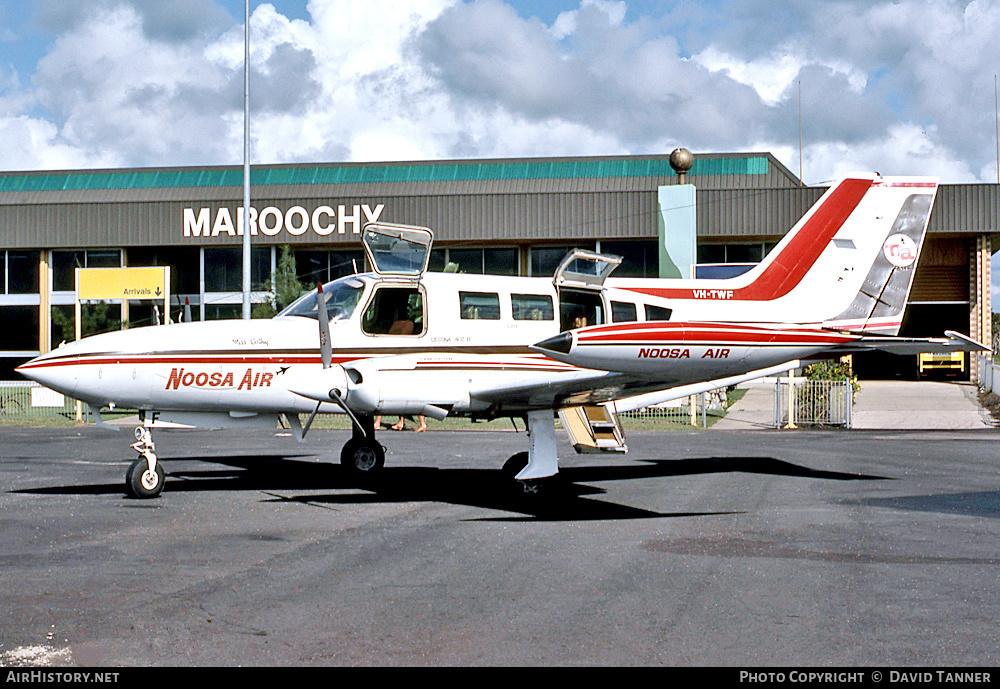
x: 880, y: 300
x: 848, y: 263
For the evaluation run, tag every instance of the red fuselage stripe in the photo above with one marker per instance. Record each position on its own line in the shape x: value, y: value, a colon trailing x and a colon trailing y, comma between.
x: 688, y: 333
x: 791, y: 265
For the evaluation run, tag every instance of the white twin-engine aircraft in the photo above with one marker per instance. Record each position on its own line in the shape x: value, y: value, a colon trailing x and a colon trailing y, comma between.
x: 402, y: 341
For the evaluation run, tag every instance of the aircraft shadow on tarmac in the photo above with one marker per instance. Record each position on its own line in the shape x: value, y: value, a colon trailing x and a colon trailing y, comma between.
x: 984, y: 504
x: 562, y: 498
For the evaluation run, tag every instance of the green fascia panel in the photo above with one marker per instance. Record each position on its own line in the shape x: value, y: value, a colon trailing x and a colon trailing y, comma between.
x: 448, y: 172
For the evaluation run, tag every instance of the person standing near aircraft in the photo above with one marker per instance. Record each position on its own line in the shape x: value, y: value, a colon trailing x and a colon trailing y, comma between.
x: 401, y: 424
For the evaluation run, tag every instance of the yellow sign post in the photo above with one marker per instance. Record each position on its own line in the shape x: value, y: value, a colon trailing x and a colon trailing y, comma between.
x: 124, y: 284
x: 121, y: 284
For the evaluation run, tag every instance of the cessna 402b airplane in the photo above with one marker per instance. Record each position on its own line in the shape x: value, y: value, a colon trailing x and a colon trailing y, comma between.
x: 402, y: 341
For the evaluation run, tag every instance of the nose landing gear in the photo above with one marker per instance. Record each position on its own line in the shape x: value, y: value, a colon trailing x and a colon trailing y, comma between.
x: 145, y: 476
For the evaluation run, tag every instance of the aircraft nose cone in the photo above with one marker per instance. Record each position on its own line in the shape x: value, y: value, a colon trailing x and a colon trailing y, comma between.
x: 42, y: 370
x: 560, y: 343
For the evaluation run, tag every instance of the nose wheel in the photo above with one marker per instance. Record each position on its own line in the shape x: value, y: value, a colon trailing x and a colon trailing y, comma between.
x: 145, y: 476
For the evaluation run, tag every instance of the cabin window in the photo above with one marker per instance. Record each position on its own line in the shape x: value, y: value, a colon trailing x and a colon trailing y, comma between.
x: 395, y: 311
x: 578, y: 309
x: 658, y: 313
x: 532, y: 307
x: 479, y: 306
x: 623, y: 311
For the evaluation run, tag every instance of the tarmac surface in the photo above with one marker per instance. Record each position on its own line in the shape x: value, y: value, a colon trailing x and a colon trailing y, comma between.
x: 748, y: 548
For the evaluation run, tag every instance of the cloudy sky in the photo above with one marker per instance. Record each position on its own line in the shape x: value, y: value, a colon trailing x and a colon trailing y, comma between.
x: 898, y: 87
x: 903, y: 87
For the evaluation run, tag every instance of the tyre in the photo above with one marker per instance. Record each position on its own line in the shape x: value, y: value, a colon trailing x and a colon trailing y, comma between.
x: 142, y: 483
x: 513, y: 466
x: 361, y: 456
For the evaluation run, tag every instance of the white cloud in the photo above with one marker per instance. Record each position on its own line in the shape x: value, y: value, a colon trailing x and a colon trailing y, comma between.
x: 907, y: 149
x: 900, y: 87
x: 566, y: 23
x: 34, y: 144
x: 773, y: 77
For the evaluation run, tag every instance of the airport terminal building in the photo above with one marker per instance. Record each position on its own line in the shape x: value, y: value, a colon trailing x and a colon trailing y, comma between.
x: 505, y: 216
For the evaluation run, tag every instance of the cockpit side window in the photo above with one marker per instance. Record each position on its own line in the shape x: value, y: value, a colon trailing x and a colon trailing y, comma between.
x: 342, y: 297
x: 395, y: 311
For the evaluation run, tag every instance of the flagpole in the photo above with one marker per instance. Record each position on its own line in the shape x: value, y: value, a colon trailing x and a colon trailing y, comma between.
x: 246, y: 160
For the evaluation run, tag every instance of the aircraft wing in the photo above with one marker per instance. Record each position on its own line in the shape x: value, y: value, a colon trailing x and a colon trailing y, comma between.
x: 677, y: 392
x: 952, y: 342
x: 556, y: 390
x: 662, y: 361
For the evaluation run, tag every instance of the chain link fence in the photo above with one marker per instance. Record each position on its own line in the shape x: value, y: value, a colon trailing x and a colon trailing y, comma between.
x: 23, y: 401
x: 696, y: 410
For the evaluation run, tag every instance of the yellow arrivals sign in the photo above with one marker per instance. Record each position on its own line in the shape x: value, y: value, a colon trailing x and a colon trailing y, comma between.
x: 123, y: 283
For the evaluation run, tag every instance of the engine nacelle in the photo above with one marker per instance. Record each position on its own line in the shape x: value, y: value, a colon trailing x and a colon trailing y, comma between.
x: 317, y: 384
x: 397, y: 385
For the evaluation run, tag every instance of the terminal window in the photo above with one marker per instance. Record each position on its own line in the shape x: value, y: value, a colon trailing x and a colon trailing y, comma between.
x: 20, y: 272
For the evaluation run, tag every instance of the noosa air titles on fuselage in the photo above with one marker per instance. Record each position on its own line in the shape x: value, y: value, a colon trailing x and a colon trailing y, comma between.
x: 179, y: 377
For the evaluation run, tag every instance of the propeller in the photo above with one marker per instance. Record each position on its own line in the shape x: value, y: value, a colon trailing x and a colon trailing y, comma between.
x: 325, y: 348
x: 326, y: 357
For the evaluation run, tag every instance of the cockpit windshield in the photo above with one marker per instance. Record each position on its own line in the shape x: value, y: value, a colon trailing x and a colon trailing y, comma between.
x: 342, y: 297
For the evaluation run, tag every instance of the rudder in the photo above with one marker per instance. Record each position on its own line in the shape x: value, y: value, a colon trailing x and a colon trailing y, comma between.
x: 881, y: 300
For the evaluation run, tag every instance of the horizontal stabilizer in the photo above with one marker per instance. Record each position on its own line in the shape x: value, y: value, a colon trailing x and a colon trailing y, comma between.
x: 952, y: 342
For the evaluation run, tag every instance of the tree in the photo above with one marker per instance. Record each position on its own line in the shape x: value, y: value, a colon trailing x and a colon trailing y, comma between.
x: 96, y: 317
x: 287, y: 287
x: 996, y: 339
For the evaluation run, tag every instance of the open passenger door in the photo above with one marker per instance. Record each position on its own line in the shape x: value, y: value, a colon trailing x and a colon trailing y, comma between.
x: 579, y: 280
x: 398, y: 250
x: 585, y: 269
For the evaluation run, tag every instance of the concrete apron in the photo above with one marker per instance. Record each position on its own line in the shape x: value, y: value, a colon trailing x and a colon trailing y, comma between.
x: 918, y: 405
x: 879, y: 404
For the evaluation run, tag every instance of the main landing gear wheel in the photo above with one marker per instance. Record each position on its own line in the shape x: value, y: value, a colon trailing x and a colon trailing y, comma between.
x: 140, y: 482
x: 513, y: 466
x: 362, y: 456
x: 532, y: 487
